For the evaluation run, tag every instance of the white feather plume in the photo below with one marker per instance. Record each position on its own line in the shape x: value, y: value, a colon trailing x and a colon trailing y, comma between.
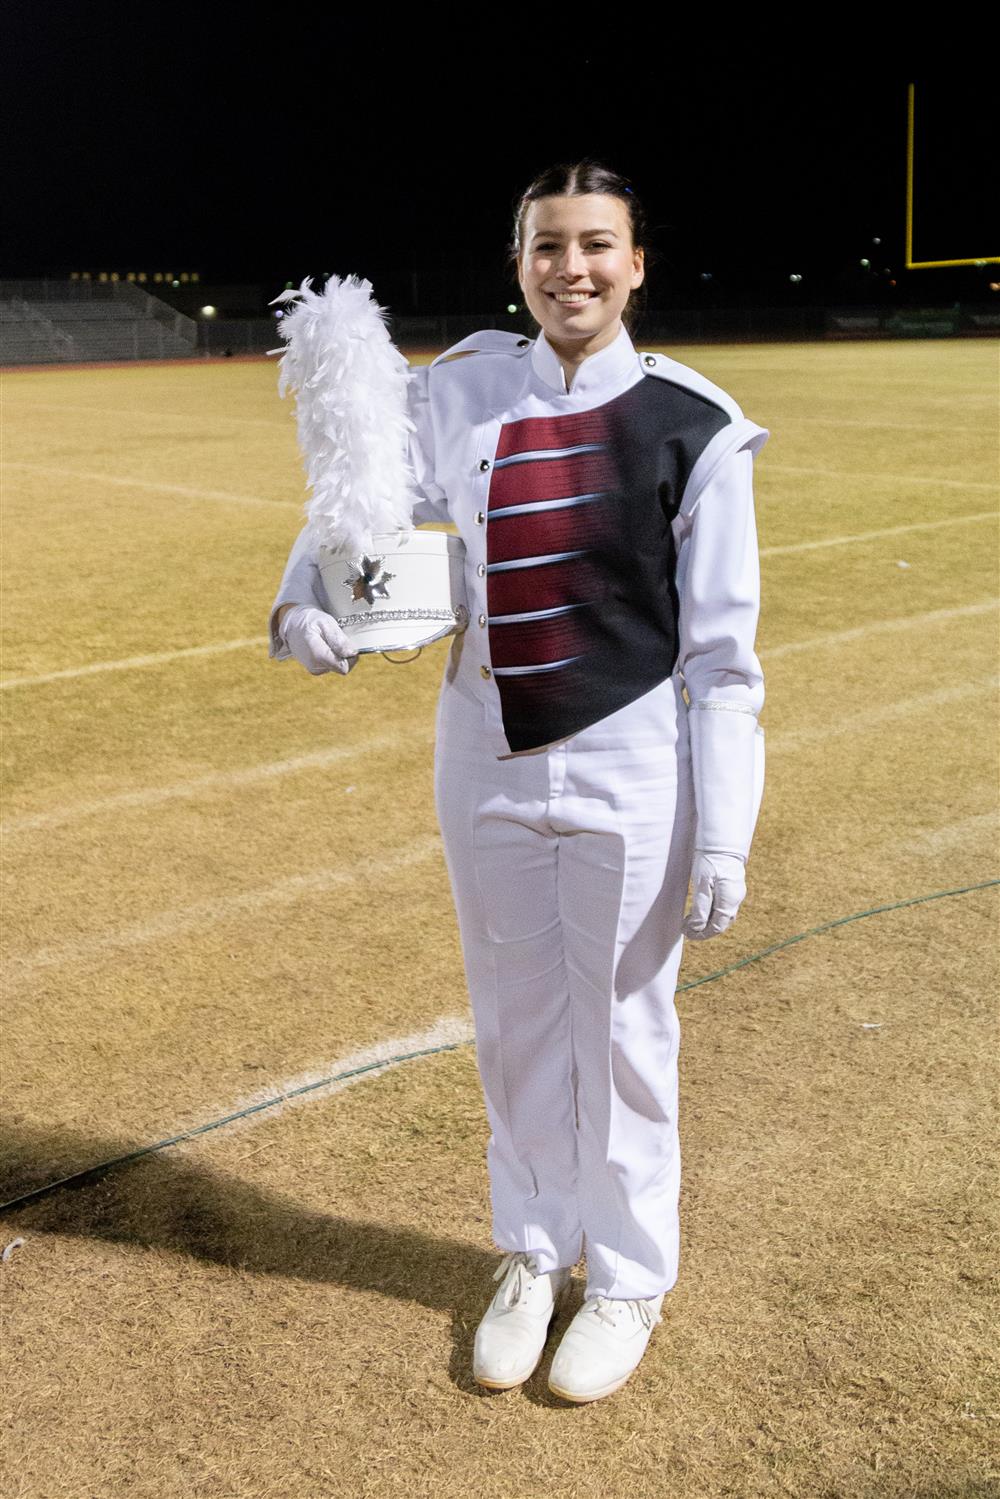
x: 351, y: 408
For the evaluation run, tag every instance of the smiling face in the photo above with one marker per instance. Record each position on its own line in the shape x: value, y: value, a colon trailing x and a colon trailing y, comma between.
x: 579, y: 245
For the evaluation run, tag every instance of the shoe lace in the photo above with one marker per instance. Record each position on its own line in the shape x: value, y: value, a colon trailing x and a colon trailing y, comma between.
x: 641, y: 1310
x: 524, y: 1273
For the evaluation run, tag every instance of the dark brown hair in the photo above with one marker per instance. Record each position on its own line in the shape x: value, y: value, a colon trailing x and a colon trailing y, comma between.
x: 573, y: 180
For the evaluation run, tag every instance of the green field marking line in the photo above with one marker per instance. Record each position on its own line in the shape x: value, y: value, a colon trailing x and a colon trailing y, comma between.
x: 827, y: 926
x: 78, y: 1177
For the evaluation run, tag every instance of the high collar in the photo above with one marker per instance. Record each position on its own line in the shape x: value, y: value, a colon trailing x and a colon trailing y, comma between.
x: 595, y: 373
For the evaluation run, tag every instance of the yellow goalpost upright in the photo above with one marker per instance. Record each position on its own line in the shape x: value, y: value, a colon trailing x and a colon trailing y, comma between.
x: 922, y: 265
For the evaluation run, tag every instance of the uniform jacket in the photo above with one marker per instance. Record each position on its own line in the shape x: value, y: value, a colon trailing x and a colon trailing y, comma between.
x: 609, y: 530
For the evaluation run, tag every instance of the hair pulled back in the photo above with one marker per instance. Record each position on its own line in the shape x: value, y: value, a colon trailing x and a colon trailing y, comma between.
x: 574, y: 180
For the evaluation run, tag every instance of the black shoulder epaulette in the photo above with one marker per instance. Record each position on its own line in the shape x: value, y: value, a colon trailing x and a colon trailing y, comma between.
x: 666, y: 368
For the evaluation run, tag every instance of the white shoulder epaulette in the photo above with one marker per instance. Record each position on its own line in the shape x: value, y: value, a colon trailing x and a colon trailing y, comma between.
x: 681, y: 374
x: 488, y: 341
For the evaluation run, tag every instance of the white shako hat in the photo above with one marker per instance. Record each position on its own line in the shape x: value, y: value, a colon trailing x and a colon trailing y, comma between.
x: 389, y: 585
x: 407, y: 591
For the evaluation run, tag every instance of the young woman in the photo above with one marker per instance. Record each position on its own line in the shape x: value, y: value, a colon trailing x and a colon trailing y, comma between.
x: 597, y: 749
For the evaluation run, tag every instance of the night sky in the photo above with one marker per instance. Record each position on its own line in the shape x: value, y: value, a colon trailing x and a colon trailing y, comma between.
x: 271, y: 149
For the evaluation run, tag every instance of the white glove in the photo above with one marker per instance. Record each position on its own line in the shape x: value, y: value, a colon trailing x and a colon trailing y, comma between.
x: 718, y: 889
x: 727, y: 763
x: 316, y: 640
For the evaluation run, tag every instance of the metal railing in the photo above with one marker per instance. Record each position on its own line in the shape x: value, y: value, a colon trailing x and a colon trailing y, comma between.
x: 54, y: 321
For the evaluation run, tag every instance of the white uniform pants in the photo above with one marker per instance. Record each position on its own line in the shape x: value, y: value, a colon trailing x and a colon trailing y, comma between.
x: 569, y: 867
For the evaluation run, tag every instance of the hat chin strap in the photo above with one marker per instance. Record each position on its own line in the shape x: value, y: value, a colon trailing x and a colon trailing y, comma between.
x: 405, y: 658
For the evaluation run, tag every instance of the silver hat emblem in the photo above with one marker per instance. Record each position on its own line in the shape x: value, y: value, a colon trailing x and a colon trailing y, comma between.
x: 368, y: 579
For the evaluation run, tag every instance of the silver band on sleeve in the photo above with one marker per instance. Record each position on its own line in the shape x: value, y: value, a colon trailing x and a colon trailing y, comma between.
x: 714, y: 703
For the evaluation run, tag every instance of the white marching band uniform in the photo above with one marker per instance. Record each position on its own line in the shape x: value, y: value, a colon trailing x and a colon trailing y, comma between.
x: 611, y: 565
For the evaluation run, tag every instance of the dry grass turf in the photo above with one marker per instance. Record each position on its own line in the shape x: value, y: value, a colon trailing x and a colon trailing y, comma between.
x: 224, y: 876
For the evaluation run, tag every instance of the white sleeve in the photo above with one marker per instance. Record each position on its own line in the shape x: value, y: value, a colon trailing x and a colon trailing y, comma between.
x: 302, y: 583
x: 432, y: 502
x: 718, y: 585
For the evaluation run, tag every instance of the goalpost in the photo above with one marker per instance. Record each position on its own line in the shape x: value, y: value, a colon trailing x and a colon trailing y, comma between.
x: 920, y: 265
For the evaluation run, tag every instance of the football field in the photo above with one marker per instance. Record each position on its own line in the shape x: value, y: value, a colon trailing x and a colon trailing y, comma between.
x: 227, y: 917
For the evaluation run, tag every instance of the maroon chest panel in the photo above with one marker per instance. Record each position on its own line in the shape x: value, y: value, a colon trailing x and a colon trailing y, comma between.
x: 553, y: 506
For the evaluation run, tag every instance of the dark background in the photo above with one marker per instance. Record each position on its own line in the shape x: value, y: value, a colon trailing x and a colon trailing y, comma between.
x: 265, y: 148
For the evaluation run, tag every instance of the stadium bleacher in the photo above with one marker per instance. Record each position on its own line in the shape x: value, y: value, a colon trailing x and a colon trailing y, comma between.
x: 54, y: 322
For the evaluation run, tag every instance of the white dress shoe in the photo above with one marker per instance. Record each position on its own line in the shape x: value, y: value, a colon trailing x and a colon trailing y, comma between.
x: 602, y: 1345
x: 511, y: 1336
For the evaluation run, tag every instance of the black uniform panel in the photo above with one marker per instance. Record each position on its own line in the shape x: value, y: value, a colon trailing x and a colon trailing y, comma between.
x: 581, y: 561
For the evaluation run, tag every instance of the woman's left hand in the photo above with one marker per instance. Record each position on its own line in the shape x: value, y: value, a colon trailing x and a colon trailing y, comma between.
x: 718, y: 889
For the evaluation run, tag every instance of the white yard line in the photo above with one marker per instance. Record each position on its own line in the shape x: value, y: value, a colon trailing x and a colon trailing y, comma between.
x: 222, y: 780
x: 860, y: 536
x: 941, y: 840
x: 447, y: 1030
x: 368, y: 1062
x: 160, y: 658
x: 880, y: 627
x: 782, y: 424
x: 228, y: 496
x: 210, y: 419
x: 227, y: 780
x: 453, y: 1030
x: 791, y: 740
x: 878, y: 477
x: 129, y: 663
x: 187, y: 491
x: 168, y: 924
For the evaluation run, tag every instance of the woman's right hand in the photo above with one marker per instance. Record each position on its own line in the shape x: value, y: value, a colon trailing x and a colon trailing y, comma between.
x: 316, y: 640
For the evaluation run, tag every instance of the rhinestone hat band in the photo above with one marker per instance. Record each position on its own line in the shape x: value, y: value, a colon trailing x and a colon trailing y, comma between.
x: 378, y: 614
